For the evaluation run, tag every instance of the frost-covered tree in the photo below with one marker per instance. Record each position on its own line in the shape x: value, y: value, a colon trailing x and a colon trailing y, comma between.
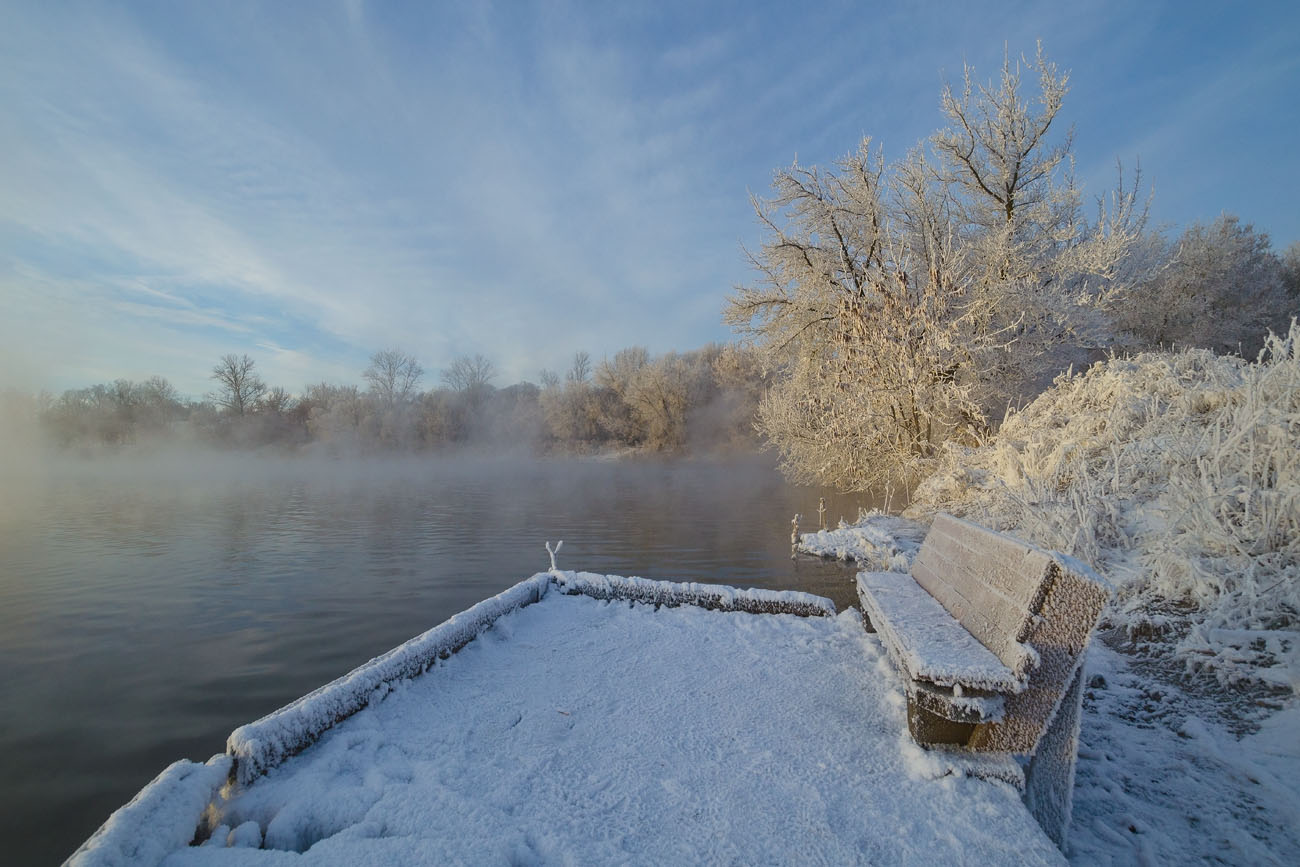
x: 997, y: 158
x: 660, y: 396
x: 741, y: 382
x: 394, y: 376
x: 1223, y: 289
x: 570, y: 408
x: 874, y: 359
x: 1043, y: 273
x: 277, y: 401
x: 902, y: 305
x: 239, y: 388
x: 1291, y: 269
x: 394, y: 379
x: 613, y: 379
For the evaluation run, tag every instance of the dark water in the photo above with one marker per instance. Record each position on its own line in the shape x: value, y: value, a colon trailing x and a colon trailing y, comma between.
x: 148, y: 608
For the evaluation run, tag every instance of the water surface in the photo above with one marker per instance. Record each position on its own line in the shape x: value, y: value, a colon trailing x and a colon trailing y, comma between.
x: 148, y: 607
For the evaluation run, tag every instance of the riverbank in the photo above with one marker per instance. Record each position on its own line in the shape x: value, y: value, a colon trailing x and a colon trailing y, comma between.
x: 1177, y: 475
x: 1172, y: 770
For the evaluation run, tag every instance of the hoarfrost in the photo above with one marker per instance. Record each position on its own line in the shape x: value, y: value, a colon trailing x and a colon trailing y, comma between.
x: 1178, y: 476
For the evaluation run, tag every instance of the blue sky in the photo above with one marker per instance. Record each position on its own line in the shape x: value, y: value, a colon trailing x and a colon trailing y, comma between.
x: 309, y: 182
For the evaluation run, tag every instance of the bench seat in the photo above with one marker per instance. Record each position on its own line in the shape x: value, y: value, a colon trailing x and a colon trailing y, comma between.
x: 926, y: 641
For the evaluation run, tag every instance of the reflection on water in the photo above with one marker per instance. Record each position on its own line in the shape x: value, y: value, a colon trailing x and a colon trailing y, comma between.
x: 146, y: 609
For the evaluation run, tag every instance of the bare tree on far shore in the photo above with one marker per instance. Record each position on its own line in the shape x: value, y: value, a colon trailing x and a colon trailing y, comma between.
x: 239, y: 388
x: 394, y: 376
x: 470, y: 374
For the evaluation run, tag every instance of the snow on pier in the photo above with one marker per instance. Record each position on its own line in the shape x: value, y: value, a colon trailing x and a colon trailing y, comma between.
x: 577, y: 729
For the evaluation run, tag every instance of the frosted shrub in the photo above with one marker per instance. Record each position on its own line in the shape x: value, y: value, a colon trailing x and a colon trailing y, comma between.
x: 1178, y: 475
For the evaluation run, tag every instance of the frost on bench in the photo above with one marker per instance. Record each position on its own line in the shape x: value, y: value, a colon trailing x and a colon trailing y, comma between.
x: 990, y: 634
x: 1002, y: 616
x: 919, y: 634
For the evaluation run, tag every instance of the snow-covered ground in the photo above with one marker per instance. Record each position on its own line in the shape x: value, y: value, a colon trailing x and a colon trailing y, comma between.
x: 577, y: 730
x: 1161, y: 778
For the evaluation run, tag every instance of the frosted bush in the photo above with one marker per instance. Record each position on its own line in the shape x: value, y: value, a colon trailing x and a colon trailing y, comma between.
x: 1176, y: 474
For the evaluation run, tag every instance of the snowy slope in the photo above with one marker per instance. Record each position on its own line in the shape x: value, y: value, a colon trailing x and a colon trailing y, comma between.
x: 1160, y: 780
x: 1178, y: 476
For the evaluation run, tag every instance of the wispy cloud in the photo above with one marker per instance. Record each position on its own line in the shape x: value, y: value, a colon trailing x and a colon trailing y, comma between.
x: 511, y: 179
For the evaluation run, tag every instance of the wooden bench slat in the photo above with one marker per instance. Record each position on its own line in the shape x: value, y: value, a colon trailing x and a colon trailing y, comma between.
x: 1000, y: 622
x: 924, y: 639
x: 1015, y: 574
x: 1012, y: 567
x: 962, y: 609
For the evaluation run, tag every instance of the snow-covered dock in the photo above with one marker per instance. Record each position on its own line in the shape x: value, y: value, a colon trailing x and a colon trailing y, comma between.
x: 588, y: 729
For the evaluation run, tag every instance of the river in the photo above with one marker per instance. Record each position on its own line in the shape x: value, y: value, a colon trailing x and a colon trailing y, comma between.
x: 150, y: 606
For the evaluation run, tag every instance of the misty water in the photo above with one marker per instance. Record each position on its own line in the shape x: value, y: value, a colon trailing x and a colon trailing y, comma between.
x: 148, y: 607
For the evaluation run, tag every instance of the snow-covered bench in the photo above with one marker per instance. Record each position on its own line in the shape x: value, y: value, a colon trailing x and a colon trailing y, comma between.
x: 989, y: 634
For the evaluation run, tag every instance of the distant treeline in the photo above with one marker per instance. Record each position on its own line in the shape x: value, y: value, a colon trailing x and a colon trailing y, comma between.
x: 699, y: 400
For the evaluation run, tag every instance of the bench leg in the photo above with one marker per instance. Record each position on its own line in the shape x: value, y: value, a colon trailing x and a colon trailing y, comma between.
x: 1049, y: 779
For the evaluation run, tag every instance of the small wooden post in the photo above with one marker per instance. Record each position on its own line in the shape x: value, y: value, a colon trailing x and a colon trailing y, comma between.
x: 794, y: 536
x: 821, y: 513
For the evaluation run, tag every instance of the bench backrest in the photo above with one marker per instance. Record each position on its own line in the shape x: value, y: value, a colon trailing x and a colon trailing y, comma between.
x: 1033, y: 608
x: 990, y: 583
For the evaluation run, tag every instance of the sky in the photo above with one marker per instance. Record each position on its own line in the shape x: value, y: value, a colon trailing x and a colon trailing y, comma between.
x: 309, y: 182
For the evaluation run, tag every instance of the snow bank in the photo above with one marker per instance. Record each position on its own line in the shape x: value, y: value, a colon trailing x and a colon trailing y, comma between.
x: 877, y: 542
x: 158, y: 820
x: 582, y: 731
x: 1177, y: 475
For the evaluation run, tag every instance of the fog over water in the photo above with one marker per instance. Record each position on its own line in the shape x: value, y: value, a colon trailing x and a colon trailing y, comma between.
x: 150, y: 604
